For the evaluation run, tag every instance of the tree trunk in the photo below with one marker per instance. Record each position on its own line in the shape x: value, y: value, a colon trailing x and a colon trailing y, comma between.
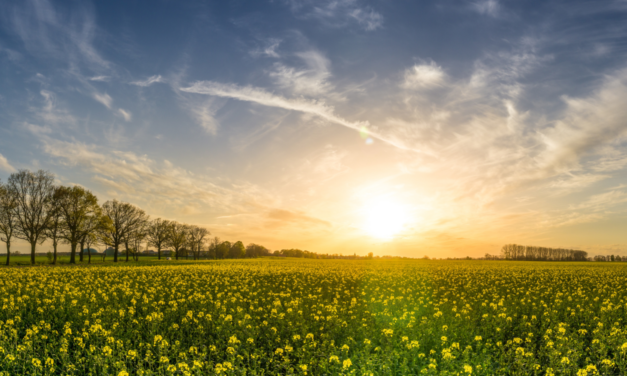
x: 82, y: 249
x: 159, y: 251
x: 115, y: 254
x: 126, y: 245
x: 54, y: 247
x: 73, y: 253
x: 8, y: 251
x: 32, y: 252
x: 89, y: 256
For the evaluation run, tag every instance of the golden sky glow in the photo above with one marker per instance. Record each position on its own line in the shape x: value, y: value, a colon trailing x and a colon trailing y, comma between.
x: 446, y: 128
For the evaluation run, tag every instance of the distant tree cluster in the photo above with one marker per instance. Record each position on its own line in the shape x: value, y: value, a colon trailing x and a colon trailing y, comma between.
x: 313, y: 255
x: 533, y: 253
x: 34, y: 209
x: 610, y: 258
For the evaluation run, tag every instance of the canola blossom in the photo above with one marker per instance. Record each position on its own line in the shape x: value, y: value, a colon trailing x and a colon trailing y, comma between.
x: 315, y: 317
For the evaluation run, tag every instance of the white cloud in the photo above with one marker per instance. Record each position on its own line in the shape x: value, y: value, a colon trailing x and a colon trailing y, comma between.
x: 587, y: 124
x: 105, y: 99
x: 149, y: 81
x: 126, y: 114
x: 424, y: 76
x: 5, y: 165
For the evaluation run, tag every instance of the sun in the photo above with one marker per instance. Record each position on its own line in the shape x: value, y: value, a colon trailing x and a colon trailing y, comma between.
x: 384, y: 218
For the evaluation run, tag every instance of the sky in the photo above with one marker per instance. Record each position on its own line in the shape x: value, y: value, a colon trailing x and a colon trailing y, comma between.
x: 442, y: 128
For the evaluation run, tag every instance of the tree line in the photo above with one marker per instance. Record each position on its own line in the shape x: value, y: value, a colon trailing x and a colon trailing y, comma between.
x: 34, y: 209
x: 534, y: 253
x: 610, y: 258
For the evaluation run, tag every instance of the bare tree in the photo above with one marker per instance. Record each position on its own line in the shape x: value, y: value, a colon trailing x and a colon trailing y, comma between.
x: 124, y: 219
x: 34, y: 194
x: 157, y: 234
x: 196, y: 238
x: 81, y: 215
x: 177, y: 237
x: 8, y: 223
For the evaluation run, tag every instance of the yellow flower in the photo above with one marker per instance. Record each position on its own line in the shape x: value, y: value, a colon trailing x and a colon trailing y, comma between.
x: 347, y: 363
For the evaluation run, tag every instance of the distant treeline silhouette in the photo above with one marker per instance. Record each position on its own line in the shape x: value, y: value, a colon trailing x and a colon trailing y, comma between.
x: 313, y: 255
x: 534, y: 253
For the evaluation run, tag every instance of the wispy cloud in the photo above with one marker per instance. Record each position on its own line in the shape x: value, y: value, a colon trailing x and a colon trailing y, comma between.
x: 279, y: 216
x: 149, y: 81
x: 5, y: 165
x: 50, y: 112
x: 125, y: 114
x: 205, y: 113
x: 487, y: 7
x: 367, y: 18
x: 100, y: 78
x: 310, y: 81
x: 48, y: 31
x: 105, y: 99
x: 338, y: 13
x: 269, y: 48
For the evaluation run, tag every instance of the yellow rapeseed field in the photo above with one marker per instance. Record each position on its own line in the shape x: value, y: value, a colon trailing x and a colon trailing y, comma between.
x: 316, y: 317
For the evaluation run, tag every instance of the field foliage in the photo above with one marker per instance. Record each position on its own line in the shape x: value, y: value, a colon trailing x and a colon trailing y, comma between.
x: 315, y: 317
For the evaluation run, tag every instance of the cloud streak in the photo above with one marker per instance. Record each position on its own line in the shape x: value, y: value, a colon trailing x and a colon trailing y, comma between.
x: 262, y: 97
x: 149, y: 81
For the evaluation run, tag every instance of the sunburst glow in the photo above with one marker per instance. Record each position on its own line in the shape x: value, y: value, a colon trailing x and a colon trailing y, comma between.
x: 384, y: 218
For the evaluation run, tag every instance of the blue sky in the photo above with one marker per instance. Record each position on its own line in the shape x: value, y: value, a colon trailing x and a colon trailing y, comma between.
x: 456, y: 126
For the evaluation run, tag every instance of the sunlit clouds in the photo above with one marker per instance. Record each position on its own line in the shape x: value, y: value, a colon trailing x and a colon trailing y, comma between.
x: 347, y: 126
